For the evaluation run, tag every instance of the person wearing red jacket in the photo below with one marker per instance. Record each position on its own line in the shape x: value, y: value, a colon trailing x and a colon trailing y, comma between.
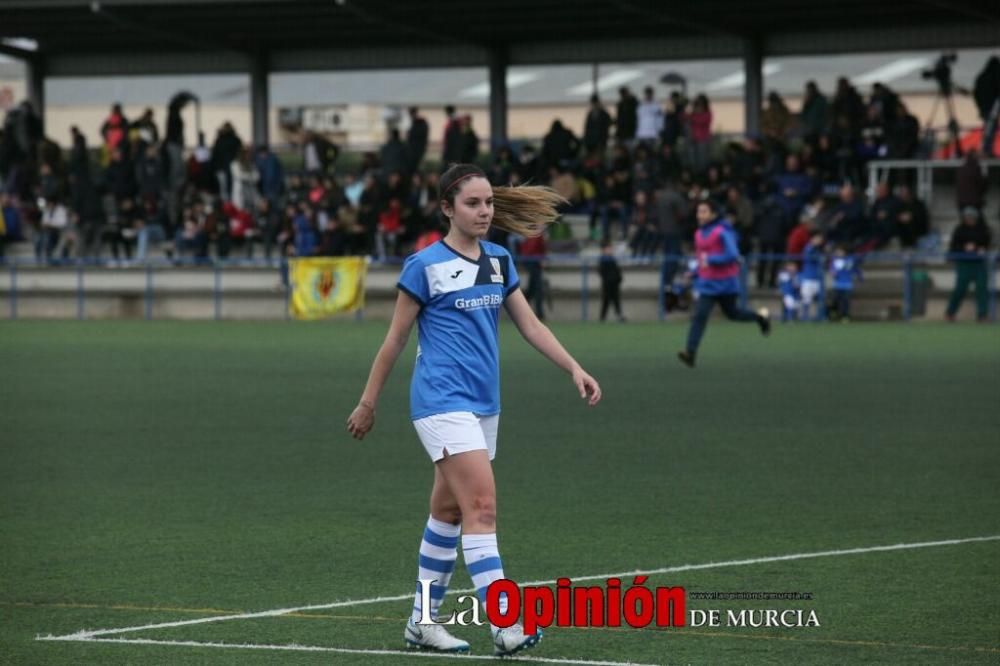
x: 799, y: 237
x: 115, y: 130
x: 532, y: 254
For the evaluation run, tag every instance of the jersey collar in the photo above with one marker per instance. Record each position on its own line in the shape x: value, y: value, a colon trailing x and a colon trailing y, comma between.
x: 482, y: 251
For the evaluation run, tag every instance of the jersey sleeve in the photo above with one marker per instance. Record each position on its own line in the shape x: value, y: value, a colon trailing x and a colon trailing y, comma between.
x: 513, y: 280
x: 413, y: 280
x: 730, y: 252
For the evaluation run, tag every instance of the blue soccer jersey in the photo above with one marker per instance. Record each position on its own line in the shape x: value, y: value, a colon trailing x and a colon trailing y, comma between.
x: 845, y: 270
x: 788, y: 284
x: 812, y: 263
x: 458, y: 359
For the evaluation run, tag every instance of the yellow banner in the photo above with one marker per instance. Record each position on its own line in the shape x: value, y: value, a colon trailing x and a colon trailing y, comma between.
x: 322, y: 287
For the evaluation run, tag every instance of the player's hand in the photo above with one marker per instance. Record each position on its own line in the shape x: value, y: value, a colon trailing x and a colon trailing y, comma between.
x: 361, y: 420
x: 588, y: 387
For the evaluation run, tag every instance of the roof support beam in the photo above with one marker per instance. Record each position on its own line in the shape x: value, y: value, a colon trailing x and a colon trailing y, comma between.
x: 980, y: 11
x: 753, y: 95
x: 498, y: 98
x: 663, y: 16
x: 260, y: 100
x: 148, y: 64
x: 20, y: 54
x: 549, y: 52
x: 185, y: 39
x: 36, y: 86
x: 879, y: 40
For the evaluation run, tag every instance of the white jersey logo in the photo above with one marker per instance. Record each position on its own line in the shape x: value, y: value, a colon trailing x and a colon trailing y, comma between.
x: 479, y: 302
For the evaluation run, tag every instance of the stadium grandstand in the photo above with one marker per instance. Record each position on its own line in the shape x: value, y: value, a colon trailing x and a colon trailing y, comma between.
x: 197, y: 136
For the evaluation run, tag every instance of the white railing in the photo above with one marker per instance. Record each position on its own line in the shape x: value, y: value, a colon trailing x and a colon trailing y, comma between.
x: 878, y: 170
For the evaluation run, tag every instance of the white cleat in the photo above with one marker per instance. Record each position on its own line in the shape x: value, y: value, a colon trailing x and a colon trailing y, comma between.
x: 512, y: 640
x: 432, y: 637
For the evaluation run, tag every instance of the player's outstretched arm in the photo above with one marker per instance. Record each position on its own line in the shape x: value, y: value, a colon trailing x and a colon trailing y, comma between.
x: 541, y: 338
x: 362, y: 419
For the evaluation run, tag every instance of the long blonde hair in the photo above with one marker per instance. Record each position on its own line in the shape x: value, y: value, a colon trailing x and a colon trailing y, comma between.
x: 524, y: 210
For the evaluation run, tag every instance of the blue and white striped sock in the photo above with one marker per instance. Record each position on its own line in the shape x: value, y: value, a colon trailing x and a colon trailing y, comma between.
x: 438, y: 552
x: 482, y: 559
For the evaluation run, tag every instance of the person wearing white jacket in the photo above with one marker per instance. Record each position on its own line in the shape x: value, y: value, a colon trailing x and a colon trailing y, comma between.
x: 650, y: 118
x: 54, y: 223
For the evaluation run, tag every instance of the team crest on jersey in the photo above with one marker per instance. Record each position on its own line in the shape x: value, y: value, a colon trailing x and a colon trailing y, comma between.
x: 497, y: 274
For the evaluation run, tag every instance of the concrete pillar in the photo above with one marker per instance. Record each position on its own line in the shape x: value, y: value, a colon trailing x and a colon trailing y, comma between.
x: 753, y: 94
x: 260, y: 100
x: 498, y: 97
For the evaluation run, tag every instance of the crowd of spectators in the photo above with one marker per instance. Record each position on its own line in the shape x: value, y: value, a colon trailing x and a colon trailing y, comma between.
x: 637, y: 174
x: 811, y: 162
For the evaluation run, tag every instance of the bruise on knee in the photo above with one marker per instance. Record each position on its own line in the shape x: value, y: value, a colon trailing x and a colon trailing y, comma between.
x: 486, y: 511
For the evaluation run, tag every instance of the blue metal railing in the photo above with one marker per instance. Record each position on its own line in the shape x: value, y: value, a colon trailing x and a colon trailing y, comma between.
x: 908, y: 262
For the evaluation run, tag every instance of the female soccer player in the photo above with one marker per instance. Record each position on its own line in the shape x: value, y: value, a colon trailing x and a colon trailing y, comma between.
x: 454, y: 290
x: 718, y: 278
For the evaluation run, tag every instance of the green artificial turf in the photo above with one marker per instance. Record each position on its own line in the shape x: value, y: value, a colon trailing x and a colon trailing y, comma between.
x: 156, y: 472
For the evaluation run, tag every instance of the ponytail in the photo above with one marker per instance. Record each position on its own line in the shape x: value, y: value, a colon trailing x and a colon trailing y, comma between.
x: 524, y: 210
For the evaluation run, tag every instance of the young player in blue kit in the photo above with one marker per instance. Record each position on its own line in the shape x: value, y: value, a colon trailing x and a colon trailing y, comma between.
x: 812, y: 277
x: 453, y: 290
x: 844, y: 269
x: 789, y: 286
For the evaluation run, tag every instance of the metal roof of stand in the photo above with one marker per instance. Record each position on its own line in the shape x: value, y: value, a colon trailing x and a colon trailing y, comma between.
x: 259, y: 37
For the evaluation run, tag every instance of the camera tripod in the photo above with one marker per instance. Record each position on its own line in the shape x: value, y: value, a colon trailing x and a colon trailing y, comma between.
x: 944, y: 98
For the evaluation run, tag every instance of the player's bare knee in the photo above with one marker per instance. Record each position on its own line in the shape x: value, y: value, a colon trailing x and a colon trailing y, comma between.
x: 447, y: 511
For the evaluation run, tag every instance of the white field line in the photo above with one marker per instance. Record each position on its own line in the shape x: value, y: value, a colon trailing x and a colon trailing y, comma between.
x: 86, y: 634
x: 312, y: 648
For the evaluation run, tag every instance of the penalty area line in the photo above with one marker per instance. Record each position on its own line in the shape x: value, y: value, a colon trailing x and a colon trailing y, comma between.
x: 318, y: 648
x: 89, y: 634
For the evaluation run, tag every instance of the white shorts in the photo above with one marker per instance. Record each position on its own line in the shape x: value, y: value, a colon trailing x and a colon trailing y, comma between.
x: 457, y: 432
x: 810, y: 289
